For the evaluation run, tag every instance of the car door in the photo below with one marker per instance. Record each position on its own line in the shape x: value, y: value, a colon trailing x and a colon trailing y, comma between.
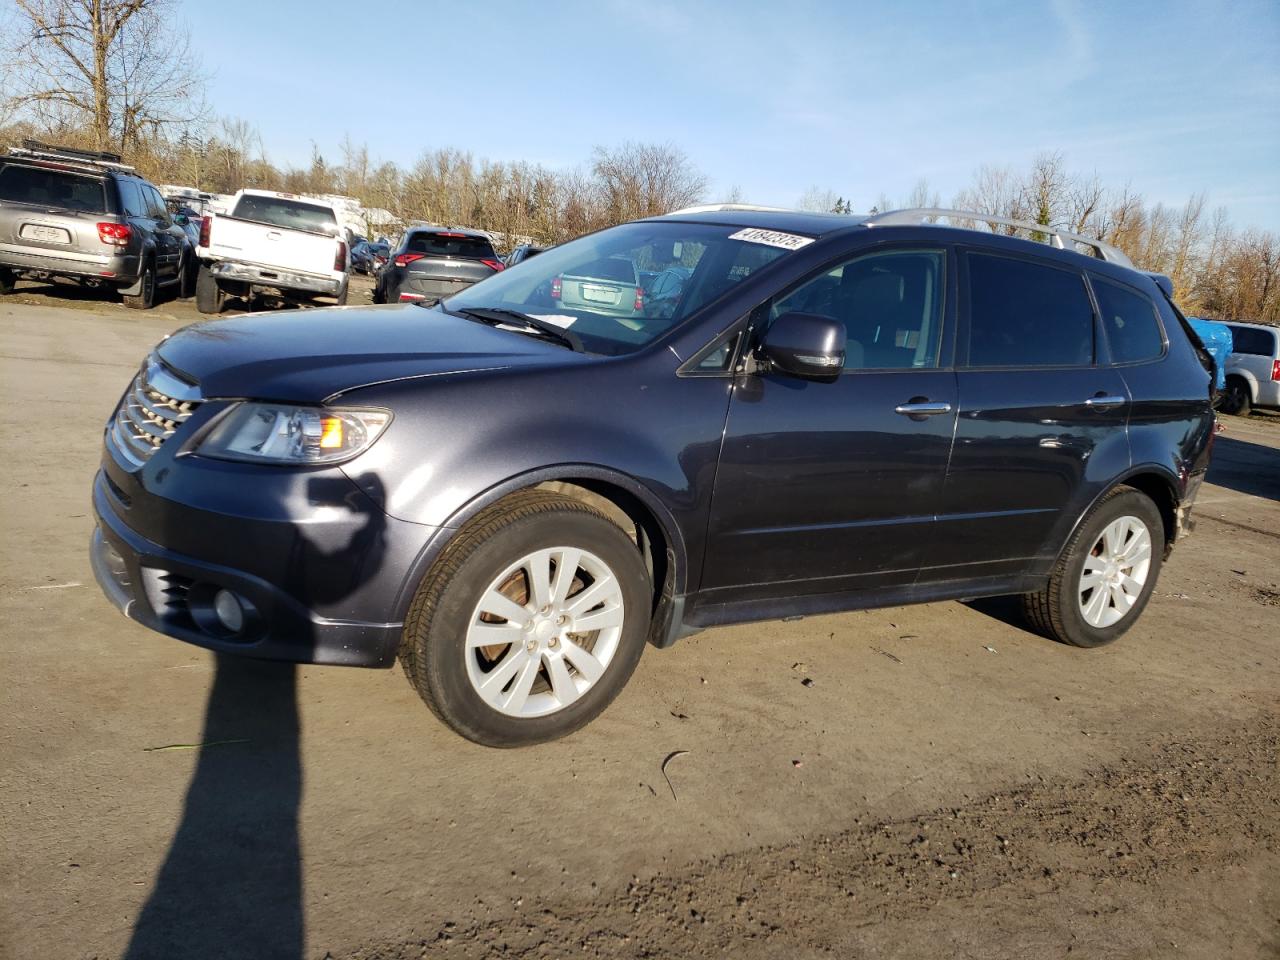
x: 168, y: 235
x: 1041, y: 422
x: 832, y: 487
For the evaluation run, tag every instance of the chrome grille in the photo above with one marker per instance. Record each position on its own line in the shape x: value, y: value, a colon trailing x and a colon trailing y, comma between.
x: 148, y: 415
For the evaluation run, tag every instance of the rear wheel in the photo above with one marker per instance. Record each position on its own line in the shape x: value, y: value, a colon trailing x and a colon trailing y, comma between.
x: 530, y: 624
x: 341, y: 299
x: 8, y: 279
x: 1236, y: 399
x: 145, y: 298
x: 1105, y: 575
x: 210, y: 298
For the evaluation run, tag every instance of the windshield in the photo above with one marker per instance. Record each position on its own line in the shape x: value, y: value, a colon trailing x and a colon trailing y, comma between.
x: 599, y: 286
x: 289, y: 214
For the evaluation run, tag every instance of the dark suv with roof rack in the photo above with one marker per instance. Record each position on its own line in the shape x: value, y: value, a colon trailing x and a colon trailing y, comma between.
x: 86, y: 217
x: 512, y: 491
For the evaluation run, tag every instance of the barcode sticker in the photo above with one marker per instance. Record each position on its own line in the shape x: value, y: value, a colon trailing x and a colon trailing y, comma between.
x: 772, y: 238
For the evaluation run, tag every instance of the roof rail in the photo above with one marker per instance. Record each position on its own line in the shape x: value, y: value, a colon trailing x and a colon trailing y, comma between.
x: 724, y: 208
x: 1057, y: 237
x: 46, y: 151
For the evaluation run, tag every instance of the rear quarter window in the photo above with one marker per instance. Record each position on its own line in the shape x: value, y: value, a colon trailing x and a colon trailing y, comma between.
x: 1129, y: 319
x: 20, y: 183
x: 1025, y: 314
x: 1252, y: 340
x: 450, y: 245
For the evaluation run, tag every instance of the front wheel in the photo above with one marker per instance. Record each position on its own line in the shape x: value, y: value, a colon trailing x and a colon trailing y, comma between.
x: 530, y: 624
x: 1106, y: 574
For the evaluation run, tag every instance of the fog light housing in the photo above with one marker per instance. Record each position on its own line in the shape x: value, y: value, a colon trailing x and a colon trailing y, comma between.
x: 227, y: 608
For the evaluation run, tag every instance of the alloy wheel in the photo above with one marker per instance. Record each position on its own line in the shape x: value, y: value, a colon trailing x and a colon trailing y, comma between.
x: 1115, y: 572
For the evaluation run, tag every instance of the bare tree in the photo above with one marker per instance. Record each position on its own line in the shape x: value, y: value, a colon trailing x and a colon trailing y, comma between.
x: 818, y: 200
x: 646, y: 179
x: 116, y: 66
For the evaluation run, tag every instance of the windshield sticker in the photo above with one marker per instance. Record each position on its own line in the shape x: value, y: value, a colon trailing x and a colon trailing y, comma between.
x: 559, y: 319
x: 771, y: 238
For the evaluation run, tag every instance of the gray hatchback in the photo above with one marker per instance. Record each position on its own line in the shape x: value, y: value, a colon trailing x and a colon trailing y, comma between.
x: 86, y: 217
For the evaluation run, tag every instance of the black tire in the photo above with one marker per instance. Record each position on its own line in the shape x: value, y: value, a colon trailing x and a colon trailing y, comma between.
x: 210, y: 297
x: 1055, y: 610
x: 8, y: 279
x: 1236, y: 399
x: 433, y: 648
x: 341, y: 299
x: 145, y: 298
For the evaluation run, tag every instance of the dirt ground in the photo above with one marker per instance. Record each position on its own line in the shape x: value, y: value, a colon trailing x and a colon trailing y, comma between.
x: 947, y: 785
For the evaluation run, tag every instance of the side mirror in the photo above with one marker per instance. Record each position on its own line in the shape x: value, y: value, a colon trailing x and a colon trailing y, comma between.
x: 806, y: 345
x: 181, y: 219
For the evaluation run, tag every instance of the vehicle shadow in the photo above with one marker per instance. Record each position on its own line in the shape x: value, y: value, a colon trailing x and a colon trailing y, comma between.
x: 231, y: 883
x: 1245, y: 467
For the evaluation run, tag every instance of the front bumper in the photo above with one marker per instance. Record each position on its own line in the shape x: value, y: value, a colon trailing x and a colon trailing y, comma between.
x: 311, y: 591
x: 276, y: 279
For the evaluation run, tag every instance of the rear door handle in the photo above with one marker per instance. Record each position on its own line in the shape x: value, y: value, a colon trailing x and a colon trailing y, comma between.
x: 923, y: 408
x: 1105, y: 401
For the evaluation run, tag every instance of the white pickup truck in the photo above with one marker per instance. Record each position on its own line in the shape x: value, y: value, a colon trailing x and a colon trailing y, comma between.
x: 275, y: 243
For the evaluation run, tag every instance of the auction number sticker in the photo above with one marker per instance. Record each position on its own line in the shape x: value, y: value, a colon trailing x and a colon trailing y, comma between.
x: 771, y: 238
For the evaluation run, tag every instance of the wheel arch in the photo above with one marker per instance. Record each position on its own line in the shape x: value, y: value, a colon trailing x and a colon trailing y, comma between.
x: 1249, y: 379
x: 625, y: 500
x: 1157, y: 483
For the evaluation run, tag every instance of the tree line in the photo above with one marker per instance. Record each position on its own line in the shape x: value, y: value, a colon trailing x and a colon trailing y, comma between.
x: 118, y: 75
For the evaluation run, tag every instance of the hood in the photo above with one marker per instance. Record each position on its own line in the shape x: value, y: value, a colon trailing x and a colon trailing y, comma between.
x: 307, y: 355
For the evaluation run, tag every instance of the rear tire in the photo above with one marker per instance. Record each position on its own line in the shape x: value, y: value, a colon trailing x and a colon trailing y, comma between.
x: 1235, y: 398
x: 1122, y: 541
x: 145, y: 298
x: 8, y: 280
x: 341, y: 299
x: 539, y: 678
x: 210, y: 298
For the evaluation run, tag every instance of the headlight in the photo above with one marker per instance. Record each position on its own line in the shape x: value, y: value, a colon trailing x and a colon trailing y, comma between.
x: 283, y: 433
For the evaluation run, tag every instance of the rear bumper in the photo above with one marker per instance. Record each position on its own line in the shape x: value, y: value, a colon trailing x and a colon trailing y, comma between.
x: 57, y: 263
x: 277, y: 279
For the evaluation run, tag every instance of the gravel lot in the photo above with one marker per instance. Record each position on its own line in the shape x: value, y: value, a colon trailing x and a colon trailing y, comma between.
x: 948, y: 784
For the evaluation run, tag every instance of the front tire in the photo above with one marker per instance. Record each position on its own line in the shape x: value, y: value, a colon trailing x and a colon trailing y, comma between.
x: 1235, y: 398
x: 1105, y: 575
x: 530, y: 624
x: 210, y: 297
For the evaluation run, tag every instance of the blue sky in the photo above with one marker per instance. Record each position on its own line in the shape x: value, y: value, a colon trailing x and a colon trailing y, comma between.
x: 860, y: 98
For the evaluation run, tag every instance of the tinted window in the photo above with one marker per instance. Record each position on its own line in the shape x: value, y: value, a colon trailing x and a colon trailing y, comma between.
x: 155, y: 203
x: 890, y: 304
x: 286, y: 213
x: 451, y: 245
x: 1252, y: 340
x: 54, y: 188
x: 131, y: 198
x: 1129, y: 319
x: 1024, y: 315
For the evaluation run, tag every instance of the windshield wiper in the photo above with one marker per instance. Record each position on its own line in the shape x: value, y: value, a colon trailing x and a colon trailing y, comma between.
x: 495, y: 316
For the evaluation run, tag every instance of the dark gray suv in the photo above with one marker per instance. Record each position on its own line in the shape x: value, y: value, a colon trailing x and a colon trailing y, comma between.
x: 86, y: 217
x: 511, y: 492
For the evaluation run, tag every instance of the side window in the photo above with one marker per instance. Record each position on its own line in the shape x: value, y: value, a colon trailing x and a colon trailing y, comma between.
x: 890, y: 303
x: 131, y: 198
x: 1024, y: 314
x: 1129, y: 319
x: 155, y: 203
x: 1251, y: 340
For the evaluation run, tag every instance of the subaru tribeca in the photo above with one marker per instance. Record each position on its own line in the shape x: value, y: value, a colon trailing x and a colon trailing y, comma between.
x: 511, y: 493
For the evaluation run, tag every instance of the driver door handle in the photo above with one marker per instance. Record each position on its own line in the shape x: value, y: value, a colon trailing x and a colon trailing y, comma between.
x: 1105, y: 401
x: 923, y: 408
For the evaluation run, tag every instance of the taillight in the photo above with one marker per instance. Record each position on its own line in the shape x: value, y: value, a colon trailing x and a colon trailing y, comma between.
x: 555, y: 288
x: 639, y: 298
x: 205, y: 223
x: 494, y: 265
x: 116, y: 234
x: 406, y: 297
x: 1275, y: 369
x: 340, y: 258
x: 404, y: 259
